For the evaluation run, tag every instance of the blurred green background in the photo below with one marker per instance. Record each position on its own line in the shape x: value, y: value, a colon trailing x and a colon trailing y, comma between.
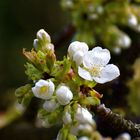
x: 19, y: 22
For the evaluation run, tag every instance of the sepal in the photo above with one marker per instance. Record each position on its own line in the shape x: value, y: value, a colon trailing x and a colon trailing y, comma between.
x: 24, y: 94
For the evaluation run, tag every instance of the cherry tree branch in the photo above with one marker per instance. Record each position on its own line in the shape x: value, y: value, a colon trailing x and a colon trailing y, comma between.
x: 117, y: 122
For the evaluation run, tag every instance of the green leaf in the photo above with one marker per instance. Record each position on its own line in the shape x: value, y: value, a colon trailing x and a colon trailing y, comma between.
x: 27, y: 98
x: 61, y: 68
x: 52, y: 117
x: 90, y: 101
x: 55, y: 116
x: 24, y: 94
x: 42, y: 113
x: 32, y: 72
x: 64, y: 133
x: 90, y: 84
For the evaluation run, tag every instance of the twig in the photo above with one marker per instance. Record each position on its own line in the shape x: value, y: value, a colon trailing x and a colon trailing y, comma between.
x: 117, y: 122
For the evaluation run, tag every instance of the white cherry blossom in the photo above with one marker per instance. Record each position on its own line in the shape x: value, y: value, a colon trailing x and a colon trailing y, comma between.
x: 96, y: 67
x: 64, y: 95
x: 43, y: 89
x: 77, y: 50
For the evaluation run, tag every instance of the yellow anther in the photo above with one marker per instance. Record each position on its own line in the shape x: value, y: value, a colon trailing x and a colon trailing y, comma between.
x: 43, y: 89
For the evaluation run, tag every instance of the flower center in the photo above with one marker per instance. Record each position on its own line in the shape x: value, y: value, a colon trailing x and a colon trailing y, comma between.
x: 95, y: 71
x: 43, y: 89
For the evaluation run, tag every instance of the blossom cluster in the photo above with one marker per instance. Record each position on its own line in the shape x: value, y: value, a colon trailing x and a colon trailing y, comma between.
x: 98, y: 21
x: 66, y: 87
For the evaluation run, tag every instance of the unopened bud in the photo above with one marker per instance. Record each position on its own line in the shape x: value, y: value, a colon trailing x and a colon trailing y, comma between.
x: 50, y: 105
x: 43, y: 36
x: 124, y: 41
x: 132, y: 21
x: 64, y: 95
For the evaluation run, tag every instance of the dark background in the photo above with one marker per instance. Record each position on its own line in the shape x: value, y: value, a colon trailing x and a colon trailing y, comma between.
x: 19, y: 22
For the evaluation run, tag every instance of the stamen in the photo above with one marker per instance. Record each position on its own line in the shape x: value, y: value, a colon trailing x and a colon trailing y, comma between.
x: 43, y: 89
x: 95, y: 71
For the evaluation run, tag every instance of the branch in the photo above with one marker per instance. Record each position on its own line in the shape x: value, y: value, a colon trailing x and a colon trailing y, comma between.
x: 117, y: 122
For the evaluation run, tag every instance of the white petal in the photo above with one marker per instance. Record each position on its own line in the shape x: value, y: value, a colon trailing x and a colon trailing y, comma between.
x: 81, y: 127
x: 78, y: 57
x: 51, y: 86
x: 77, y: 46
x: 41, y: 83
x: 96, y: 57
x: 108, y: 73
x: 43, y: 35
x: 64, y: 95
x: 84, y: 74
x: 46, y: 94
x: 83, y: 115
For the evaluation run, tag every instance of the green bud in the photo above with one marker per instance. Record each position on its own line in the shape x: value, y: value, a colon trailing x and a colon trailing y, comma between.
x: 32, y: 72
x: 41, y: 55
x: 24, y: 94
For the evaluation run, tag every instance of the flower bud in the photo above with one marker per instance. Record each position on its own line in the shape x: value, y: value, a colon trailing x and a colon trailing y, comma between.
x: 86, y: 128
x: 124, y: 41
x: 78, y: 57
x: 67, y: 118
x: 64, y: 95
x: 43, y: 36
x: 124, y: 136
x: 83, y: 138
x: 132, y: 21
x: 83, y: 115
x: 77, y: 46
x: 43, y: 89
x: 50, y: 105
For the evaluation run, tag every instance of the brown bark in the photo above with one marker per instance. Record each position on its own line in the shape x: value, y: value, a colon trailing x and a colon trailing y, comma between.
x: 117, y: 122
